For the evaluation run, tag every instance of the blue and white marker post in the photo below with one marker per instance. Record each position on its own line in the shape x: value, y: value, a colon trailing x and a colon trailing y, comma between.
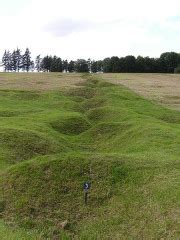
x: 86, y: 187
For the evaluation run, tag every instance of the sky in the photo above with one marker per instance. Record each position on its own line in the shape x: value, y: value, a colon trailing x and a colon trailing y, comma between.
x: 95, y: 29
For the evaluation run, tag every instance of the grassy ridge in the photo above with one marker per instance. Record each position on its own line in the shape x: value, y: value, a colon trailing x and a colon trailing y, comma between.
x: 127, y: 146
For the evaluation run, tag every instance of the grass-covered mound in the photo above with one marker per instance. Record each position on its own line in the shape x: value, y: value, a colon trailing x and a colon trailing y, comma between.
x: 48, y: 190
x: 126, y: 146
x: 25, y: 144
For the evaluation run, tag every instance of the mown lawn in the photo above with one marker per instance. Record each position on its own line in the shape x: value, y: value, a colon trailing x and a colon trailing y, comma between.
x: 128, y: 147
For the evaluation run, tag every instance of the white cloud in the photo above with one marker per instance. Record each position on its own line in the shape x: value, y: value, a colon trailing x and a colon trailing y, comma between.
x: 65, y: 26
x: 96, y: 28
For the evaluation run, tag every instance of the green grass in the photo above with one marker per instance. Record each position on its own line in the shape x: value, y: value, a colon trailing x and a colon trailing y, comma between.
x: 126, y: 146
x: 11, y: 233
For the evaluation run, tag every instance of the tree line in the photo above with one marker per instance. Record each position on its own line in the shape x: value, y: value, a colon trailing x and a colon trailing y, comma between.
x: 16, y: 61
x: 168, y: 62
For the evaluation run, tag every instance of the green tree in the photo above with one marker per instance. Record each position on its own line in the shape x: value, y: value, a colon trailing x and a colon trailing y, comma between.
x: 13, y: 61
x: 65, y: 65
x: 46, y: 63
x: 177, y: 70
x: 38, y: 63
x: 107, y: 65
x: 5, y: 60
x: 94, y: 66
x: 81, y: 66
x: 71, y: 66
x: 26, y: 60
x: 130, y: 64
x: 56, y: 64
x: 89, y: 62
x: 115, y: 65
x: 18, y: 58
x: 170, y: 61
x: 99, y: 66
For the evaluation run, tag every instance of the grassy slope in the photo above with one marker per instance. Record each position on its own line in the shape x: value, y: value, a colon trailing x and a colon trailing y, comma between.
x: 162, y: 88
x: 128, y: 147
x: 11, y: 233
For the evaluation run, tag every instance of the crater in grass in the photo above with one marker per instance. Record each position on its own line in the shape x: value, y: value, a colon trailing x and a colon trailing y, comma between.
x: 93, y: 103
x: 85, y: 92
x: 107, y: 130
x: 71, y: 126
x: 99, y: 114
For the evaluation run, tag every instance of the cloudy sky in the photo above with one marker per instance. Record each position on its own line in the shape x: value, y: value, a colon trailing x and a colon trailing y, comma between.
x: 75, y: 29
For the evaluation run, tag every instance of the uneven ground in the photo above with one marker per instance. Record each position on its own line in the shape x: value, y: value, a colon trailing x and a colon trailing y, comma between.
x: 163, y: 88
x: 38, y: 81
x: 51, y: 141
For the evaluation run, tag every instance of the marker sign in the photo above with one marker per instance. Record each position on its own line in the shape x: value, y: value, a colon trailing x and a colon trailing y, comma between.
x: 86, y: 186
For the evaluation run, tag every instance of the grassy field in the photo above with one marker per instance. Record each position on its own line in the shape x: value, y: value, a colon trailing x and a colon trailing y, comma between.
x: 38, y: 81
x: 78, y: 128
x: 162, y: 88
x: 13, y: 233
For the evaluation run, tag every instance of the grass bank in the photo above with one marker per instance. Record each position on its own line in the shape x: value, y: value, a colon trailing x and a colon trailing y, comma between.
x: 125, y: 145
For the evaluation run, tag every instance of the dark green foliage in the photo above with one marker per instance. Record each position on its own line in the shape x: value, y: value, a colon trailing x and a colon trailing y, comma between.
x: 170, y: 61
x: 6, y: 60
x: 26, y: 60
x: 130, y: 64
x: 46, y: 63
x: 65, y: 65
x: 52, y: 64
x: 115, y: 65
x: 81, y: 65
x: 71, y: 66
x: 56, y: 65
x: 177, y: 70
x: 94, y: 67
x: 38, y: 63
x: 167, y: 63
x: 107, y: 65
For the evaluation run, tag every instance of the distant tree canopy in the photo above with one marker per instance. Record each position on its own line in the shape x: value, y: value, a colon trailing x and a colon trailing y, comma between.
x: 16, y: 61
x: 81, y: 65
x: 168, y: 62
